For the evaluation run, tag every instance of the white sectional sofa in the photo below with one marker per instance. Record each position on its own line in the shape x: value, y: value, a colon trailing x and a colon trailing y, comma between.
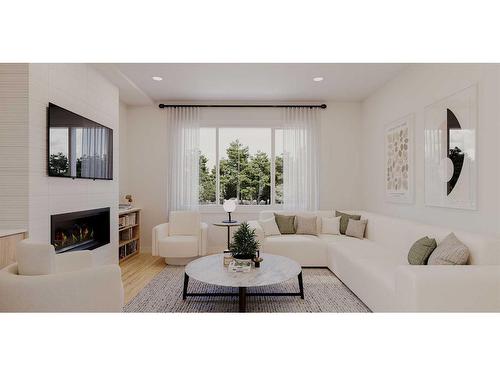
x: 377, y: 271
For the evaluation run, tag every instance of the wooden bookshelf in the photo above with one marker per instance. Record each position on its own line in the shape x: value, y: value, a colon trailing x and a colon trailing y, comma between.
x: 129, y: 233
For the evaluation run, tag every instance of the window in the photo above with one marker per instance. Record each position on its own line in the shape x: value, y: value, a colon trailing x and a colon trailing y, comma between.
x: 241, y: 163
x: 207, y: 165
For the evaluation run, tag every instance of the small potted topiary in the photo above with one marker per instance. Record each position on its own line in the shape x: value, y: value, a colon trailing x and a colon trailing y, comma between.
x: 245, y: 244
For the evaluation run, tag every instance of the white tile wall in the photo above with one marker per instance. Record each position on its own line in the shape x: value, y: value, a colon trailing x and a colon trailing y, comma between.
x: 13, y: 146
x: 78, y: 88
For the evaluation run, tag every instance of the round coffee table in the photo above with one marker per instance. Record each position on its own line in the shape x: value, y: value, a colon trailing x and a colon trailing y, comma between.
x: 274, y: 269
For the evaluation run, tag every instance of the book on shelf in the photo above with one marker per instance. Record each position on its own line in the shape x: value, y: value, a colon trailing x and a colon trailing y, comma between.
x: 130, y: 248
x: 127, y: 220
x: 127, y: 249
x: 126, y: 235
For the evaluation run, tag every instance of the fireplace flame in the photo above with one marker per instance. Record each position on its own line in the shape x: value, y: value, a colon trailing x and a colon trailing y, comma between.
x: 75, y: 235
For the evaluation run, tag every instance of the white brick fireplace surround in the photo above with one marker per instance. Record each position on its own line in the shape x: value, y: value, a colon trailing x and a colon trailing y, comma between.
x: 80, y: 89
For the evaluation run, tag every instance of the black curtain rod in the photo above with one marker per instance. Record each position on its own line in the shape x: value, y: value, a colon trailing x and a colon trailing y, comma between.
x: 322, y: 106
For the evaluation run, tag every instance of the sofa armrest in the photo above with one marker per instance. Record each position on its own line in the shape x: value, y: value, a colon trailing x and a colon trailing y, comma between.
x: 448, y: 288
x: 73, y: 261
x: 203, y: 238
x: 254, y: 224
x: 95, y: 289
x: 159, y: 231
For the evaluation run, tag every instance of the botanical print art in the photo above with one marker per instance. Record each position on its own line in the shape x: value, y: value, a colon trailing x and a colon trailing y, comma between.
x: 398, y: 178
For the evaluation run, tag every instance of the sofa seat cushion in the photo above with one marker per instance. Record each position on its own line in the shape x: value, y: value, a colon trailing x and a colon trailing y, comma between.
x: 297, y: 240
x: 307, y: 250
x: 336, y: 238
x: 381, y: 271
x: 178, y: 246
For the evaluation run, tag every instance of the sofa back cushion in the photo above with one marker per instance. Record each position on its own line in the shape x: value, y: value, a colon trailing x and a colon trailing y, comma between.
x: 269, y: 227
x: 450, y: 251
x: 319, y: 214
x: 400, y: 234
x: 286, y: 223
x: 356, y: 228
x: 184, y: 223
x: 344, y: 220
x: 330, y: 225
x: 35, y: 258
x: 306, y: 224
x: 421, y: 250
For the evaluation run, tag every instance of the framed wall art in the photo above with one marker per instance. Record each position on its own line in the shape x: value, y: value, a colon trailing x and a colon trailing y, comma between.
x: 399, y: 172
x: 450, y: 151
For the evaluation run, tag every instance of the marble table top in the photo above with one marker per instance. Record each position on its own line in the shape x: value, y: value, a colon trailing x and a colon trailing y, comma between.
x: 273, y: 270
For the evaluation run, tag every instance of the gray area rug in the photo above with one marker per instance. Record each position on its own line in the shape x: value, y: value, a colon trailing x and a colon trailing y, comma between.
x: 324, y: 292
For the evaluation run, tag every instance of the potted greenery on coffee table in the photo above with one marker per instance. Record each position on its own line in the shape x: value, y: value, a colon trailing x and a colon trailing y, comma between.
x: 245, y: 244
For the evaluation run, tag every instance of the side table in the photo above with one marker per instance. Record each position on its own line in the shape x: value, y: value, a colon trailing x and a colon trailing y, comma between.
x: 228, y: 225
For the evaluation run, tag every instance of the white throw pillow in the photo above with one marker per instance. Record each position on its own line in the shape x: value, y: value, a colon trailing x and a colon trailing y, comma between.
x: 269, y: 227
x: 330, y: 225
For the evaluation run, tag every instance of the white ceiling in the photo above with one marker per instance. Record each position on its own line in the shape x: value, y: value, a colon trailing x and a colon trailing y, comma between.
x: 247, y: 82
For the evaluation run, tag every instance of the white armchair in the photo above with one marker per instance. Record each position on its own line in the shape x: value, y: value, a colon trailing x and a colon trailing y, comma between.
x: 42, y: 281
x: 182, y: 239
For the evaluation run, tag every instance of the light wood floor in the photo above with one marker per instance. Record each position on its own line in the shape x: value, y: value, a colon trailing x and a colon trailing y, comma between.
x: 138, y: 271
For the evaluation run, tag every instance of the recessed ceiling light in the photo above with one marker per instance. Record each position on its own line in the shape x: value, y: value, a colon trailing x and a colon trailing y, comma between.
x: 156, y: 78
x: 318, y: 79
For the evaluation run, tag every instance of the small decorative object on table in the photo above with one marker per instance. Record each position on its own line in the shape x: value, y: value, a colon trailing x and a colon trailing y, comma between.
x: 257, y: 260
x: 126, y: 206
x: 240, y: 265
x: 229, y: 206
x: 227, y: 258
x: 245, y: 244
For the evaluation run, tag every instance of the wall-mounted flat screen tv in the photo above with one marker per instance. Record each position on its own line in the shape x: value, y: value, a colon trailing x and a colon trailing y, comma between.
x: 78, y: 147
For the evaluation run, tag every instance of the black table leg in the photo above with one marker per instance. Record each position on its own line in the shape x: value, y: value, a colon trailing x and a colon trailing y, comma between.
x: 243, y: 299
x: 301, y: 285
x: 185, y: 289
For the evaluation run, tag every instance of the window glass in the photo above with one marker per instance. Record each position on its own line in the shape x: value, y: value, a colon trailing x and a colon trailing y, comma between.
x: 245, y: 165
x: 207, y: 165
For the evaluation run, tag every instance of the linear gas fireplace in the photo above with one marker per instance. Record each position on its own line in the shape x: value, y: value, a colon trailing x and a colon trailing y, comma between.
x: 82, y: 230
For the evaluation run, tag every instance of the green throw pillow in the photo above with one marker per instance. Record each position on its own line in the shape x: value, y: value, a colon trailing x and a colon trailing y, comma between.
x: 286, y: 224
x: 421, y: 250
x: 344, y: 220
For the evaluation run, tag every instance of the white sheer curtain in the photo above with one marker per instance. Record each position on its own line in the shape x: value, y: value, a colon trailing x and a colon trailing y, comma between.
x: 301, y: 135
x: 183, y: 167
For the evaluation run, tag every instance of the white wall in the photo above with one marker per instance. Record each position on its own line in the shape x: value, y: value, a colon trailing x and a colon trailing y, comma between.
x: 78, y: 88
x: 410, y: 92
x: 147, y: 156
x: 147, y: 166
x: 340, y: 156
x: 123, y: 180
x: 13, y: 146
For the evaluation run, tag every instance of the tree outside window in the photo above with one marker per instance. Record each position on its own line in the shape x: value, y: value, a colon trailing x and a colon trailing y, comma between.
x: 245, y: 165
